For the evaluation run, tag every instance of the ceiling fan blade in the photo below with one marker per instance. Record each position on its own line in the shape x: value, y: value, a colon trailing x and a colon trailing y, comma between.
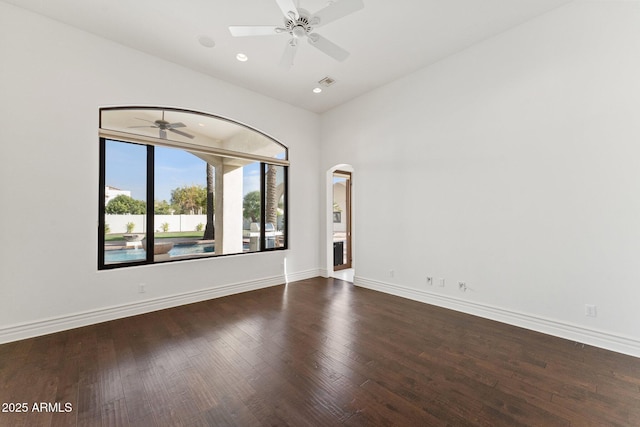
x: 330, y: 48
x: 254, y: 30
x: 179, y: 132
x: 133, y: 127
x: 289, y: 53
x: 163, y: 134
x: 287, y: 6
x: 178, y: 125
x: 337, y: 10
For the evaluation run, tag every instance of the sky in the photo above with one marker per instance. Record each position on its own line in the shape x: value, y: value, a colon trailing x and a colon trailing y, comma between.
x: 174, y: 168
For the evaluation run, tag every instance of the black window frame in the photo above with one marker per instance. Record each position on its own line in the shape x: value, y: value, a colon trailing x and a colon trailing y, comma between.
x: 150, y: 195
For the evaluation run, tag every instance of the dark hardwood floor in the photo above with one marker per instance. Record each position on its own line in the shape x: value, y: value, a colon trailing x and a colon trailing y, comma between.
x: 317, y: 352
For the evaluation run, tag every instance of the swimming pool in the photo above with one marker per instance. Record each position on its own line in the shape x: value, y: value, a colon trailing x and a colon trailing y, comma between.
x: 125, y: 255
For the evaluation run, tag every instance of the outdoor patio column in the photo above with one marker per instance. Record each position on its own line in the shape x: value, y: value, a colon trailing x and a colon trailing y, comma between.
x: 218, y: 218
x: 229, y: 186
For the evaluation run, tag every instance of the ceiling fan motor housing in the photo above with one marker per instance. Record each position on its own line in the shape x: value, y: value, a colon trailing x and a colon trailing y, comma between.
x: 163, y: 124
x: 299, y: 27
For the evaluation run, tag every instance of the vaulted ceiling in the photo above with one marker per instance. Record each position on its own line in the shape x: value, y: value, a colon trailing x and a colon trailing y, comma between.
x: 386, y: 39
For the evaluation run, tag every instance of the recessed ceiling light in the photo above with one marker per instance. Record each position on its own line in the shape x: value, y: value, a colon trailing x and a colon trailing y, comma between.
x: 206, y: 41
x: 317, y: 90
x: 242, y: 57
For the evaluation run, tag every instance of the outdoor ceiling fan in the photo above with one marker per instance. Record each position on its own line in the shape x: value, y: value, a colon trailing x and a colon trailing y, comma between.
x: 165, y: 126
x: 299, y: 24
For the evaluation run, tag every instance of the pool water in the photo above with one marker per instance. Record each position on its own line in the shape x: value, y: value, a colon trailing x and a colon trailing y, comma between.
x: 124, y: 255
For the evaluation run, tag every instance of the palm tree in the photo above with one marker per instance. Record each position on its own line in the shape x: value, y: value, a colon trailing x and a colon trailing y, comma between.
x: 271, y: 212
x: 209, y: 228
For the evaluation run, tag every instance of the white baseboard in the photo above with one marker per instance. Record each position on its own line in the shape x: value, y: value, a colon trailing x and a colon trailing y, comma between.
x: 76, y: 320
x: 608, y: 341
x: 571, y: 332
x: 302, y: 275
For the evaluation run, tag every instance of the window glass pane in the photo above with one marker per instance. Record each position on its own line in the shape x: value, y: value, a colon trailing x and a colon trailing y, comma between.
x: 200, y: 130
x: 180, y: 205
x: 125, y: 202
x: 251, y: 207
x: 275, y: 232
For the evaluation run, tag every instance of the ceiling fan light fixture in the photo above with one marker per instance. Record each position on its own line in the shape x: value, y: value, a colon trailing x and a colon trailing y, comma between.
x: 298, y: 31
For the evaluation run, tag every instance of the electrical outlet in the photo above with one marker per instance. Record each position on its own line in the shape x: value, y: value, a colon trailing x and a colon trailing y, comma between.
x: 429, y: 280
x: 462, y: 286
x: 590, y: 310
x: 441, y: 282
x: 142, y: 288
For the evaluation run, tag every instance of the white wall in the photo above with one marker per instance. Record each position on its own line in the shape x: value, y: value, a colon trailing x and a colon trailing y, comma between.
x: 53, y: 80
x: 118, y: 223
x: 518, y: 161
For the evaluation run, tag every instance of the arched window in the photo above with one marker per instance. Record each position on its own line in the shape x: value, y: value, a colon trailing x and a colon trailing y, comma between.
x: 187, y: 184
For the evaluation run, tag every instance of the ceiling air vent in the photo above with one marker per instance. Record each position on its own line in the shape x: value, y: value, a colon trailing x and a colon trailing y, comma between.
x: 327, y: 81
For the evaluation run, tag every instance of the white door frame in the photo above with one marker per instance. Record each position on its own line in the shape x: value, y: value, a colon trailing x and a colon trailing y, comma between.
x: 329, y: 216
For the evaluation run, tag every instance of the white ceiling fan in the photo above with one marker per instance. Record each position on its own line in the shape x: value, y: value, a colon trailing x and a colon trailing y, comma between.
x: 299, y: 24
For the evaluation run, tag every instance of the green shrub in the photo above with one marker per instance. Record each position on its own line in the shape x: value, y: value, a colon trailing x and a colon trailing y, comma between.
x: 130, y: 227
x: 200, y: 227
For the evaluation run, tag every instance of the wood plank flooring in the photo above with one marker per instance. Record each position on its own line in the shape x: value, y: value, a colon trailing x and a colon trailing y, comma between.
x: 319, y: 352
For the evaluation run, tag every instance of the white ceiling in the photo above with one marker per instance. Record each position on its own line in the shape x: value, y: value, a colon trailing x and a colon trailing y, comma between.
x: 387, y: 39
